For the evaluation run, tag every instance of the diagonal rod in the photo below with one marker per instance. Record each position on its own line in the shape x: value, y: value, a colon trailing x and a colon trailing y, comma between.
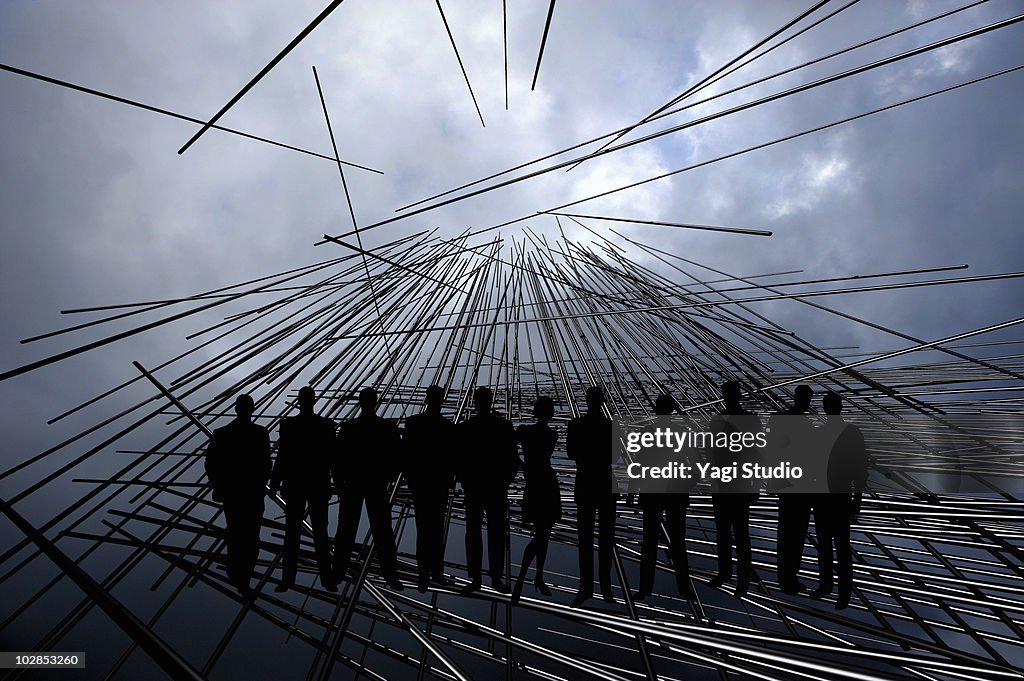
x: 461, y: 65
x: 543, y: 42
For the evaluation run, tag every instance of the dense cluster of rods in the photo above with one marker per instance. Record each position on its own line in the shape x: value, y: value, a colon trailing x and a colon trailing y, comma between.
x: 937, y: 578
x: 543, y: 317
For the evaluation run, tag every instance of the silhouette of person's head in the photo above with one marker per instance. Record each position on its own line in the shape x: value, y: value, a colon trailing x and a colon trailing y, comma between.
x: 483, y: 399
x: 368, y: 400
x: 802, y: 397
x: 832, y: 403
x: 544, y: 408
x: 664, y: 405
x: 244, y: 406
x: 435, y: 397
x: 595, y: 398
x: 731, y: 394
x: 307, y: 398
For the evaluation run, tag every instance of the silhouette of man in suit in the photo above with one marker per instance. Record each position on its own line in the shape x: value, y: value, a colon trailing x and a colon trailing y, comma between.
x: 367, y: 459
x: 489, y: 461
x: 237, y: 465
x: 731, y: 501
x: 794, y: 507
x: 429, y: 443
x: 588, y: 442
x: 303, y: 473
x: 672, y: 507
x: 835, y: 512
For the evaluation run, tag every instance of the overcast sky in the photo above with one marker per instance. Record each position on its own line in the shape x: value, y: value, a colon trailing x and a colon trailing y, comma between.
x: 96, y: 207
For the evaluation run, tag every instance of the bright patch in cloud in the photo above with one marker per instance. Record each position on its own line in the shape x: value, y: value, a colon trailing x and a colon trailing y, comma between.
x: 802, y: 191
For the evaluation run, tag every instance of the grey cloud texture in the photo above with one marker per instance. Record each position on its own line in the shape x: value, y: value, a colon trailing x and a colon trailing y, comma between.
x: 97, y: 207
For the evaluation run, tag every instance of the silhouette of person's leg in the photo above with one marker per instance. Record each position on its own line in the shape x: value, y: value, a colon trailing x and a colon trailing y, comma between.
x: 234, y: 541
x: 536, y: 548
x: 542, y: 536
x: 794, y: 518
x: 430, y: 511
x: 426, y: 541
x: 497, y: 530
x: 322, y: 548
x: 474, y: 538
x: 801, y: 522
x: 378, y: 513
x: 649, y: 548
x: 675, y: 523
x: 294, y: 511
x: 844, y: 557
x: 585, y: 510
x: 741, y: 533
x: 437, y: 509
x: 784, y: 532
x: 528, y: 555
x: 252, y: 521
x: 350, y: 508
x: 606, y: 543
x: 723, y: 538
x: 824, y: 522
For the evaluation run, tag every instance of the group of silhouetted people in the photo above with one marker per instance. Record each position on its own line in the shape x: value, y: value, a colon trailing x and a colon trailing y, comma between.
x: 360, y: 459
x: 834, y: 510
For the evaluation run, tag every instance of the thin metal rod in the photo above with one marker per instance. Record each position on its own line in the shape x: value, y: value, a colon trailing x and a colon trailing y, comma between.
x: 731, y: 301
x: 362, y: 251
x: 264, y: 71
x: 723, y: 113
x: 461, y: 65
x: 163, y: 655
x: 741, y: 152
x: 697, y: 103
x: 732, y: 230
x: 172, y: 114
x: 709, y: 78
x: 543, y: 42
x: 504, y: 44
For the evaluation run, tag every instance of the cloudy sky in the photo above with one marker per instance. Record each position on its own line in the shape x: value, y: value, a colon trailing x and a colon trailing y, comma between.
x: 96, y: 207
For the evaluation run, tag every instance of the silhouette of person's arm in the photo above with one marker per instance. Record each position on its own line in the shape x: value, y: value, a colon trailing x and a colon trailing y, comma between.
x: 449, y: 452
x: 461, y: 451
x: 521, y: 435
x: 572, y: 441
x: 391, y: 448
x: 263, y: 464
x: 750, y: 425
x: 277, y: 475
x: 214, y: 465
x: 329, y: 447
x: 337, y: 459
x: 510, y: 453
x: 405, y: 452
x: 859, y: 466
x: 718, y: 424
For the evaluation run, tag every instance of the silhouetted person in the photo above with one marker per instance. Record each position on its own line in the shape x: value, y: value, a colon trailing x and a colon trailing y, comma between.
x: 672, y: 507
x: 487, y: 466
x: 794, y: 507
x: 588, y: 442
x: 238, y: 465
x: 835, y: 512
x: 731, y: 501
x: 303, y: 473
x: 366, y: 460
x: 429, y: 444
x: 542, y: 502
